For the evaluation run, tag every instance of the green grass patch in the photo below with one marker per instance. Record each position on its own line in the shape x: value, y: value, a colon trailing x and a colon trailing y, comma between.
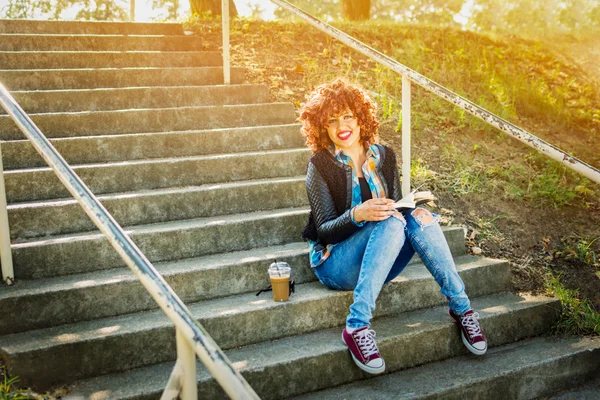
x: 8, y: 389
x: 578, y: 317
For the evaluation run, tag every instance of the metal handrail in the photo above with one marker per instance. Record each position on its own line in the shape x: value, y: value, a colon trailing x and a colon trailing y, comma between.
x: 191, y: 336
x: 520, y: 134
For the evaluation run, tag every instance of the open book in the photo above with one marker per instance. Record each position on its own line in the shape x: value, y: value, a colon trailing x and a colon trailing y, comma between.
x: 414, y: 199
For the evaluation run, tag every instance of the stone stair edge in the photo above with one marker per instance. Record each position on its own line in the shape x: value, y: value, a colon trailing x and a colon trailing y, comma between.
x: 483, y: 378
x: 89, y: 123
x: 94, y: 35
x: 145, y: 134
x: 29, y: 287
x: 140, y: 88
x: 64, y: 216
x: 182, y: 225
x: 173, y: 268
x: 73, y: 70
x: 152, y: 192
x: 117, y: 77
x: 33, y: 21
x: 227, y: 319
x: 166, y: 159
x: 304, y: 350
x: 42, y: 301
x: 230, y: 306
x: 138, y: 110
x: 21, y: 155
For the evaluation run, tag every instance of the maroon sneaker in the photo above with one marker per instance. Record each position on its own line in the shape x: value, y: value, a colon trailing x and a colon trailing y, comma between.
x: 363, y: 349
x: 471, y: 332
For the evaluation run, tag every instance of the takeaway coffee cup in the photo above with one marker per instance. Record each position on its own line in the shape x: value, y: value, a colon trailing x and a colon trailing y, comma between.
x: 279, y: 272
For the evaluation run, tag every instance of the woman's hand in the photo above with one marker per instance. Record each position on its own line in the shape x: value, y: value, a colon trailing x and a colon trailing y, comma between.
x: 374, y: 210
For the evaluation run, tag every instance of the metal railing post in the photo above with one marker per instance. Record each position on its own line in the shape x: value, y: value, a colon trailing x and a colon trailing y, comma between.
x: 5, y: 252
x: 226, y: 55
x: 187, y: 357
x: 132, y: 10
x: 405, y: 135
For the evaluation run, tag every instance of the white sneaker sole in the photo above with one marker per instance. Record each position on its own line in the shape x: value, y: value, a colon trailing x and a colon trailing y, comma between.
x: 471, y: 348
x: 366, y: 368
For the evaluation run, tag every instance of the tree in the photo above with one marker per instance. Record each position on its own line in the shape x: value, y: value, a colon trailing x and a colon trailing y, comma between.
x: 327, y: 10
x: 534, y: 17
x: 167, y: 10
x: 427, y: 12
x: 100, y: 10
x: 24, y: 9
x: 356, y: 10
x: 91, y: 10
x: 212, y: 6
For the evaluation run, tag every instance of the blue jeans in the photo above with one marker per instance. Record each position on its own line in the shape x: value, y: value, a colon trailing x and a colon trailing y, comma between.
x: 378, y: 253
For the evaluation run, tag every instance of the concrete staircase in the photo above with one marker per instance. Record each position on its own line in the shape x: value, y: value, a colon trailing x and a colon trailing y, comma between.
x: 208, y: 181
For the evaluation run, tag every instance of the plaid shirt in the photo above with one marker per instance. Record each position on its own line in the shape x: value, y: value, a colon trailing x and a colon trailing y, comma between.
x: 318, y: 252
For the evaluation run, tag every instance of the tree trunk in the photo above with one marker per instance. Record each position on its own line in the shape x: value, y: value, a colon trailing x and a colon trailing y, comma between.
x: 356, y: 10
x: 214, y: 6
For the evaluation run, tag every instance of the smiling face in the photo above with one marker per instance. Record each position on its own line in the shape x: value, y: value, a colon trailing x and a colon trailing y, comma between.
x: 344, y: 130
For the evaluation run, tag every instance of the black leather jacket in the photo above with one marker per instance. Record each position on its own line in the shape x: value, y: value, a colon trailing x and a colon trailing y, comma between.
x: 329, y: 189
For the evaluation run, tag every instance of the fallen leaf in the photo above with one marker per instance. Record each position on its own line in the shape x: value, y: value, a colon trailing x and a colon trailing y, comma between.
x: 298, y: 68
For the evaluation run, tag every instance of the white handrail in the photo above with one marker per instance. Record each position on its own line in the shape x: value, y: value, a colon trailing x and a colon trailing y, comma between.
x: 187, y: 327
x: 226, y: 53
x: 520, y: 134
x: 8, y: 274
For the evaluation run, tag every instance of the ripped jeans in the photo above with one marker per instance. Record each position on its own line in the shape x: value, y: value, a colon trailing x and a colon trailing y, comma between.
x: 378, y: 253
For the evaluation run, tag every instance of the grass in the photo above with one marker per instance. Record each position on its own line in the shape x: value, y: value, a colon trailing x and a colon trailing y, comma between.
x: 8, y: 389
x: 578, y: 317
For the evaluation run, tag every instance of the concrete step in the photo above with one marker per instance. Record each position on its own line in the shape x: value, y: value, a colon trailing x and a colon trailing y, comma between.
x: 108, y: 59
x: 175, y: 240
x: 518, y: 371
x: 106, y: 42
x: 90, y: 28
x: 42, y: 184
x: 589, y: 390
x: 43, y: 303
x: 286, y: 367
x: 91, y: 78
x: 46, y: 101
x: 134, y: 340
x: 55, y: 217
x: 152, y: 120
x: 19, y: 154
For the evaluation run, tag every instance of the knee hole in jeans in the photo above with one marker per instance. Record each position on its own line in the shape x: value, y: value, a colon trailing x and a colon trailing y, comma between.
x: 423, y: 217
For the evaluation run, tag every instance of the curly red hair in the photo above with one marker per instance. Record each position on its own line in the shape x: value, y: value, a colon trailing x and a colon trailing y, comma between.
x: 331, y: 99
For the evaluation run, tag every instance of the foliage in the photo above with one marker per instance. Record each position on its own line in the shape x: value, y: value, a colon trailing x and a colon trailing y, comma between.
x: 581, y: 248
x: 8, y: 391
x: 167, y: 9
x: 578, y: 316
x: 535, y: 17
x: 24, y: 9
x: 90, y: 10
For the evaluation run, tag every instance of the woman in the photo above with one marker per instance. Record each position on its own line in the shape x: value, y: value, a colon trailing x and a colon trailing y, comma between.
x: 358, y: 241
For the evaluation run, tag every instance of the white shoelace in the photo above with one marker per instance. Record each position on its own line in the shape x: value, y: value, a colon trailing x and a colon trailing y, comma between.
x: 470, y: 322
x: 366, y: 342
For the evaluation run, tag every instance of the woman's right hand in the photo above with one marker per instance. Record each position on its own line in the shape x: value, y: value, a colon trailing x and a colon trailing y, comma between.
x: 373, y: 210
